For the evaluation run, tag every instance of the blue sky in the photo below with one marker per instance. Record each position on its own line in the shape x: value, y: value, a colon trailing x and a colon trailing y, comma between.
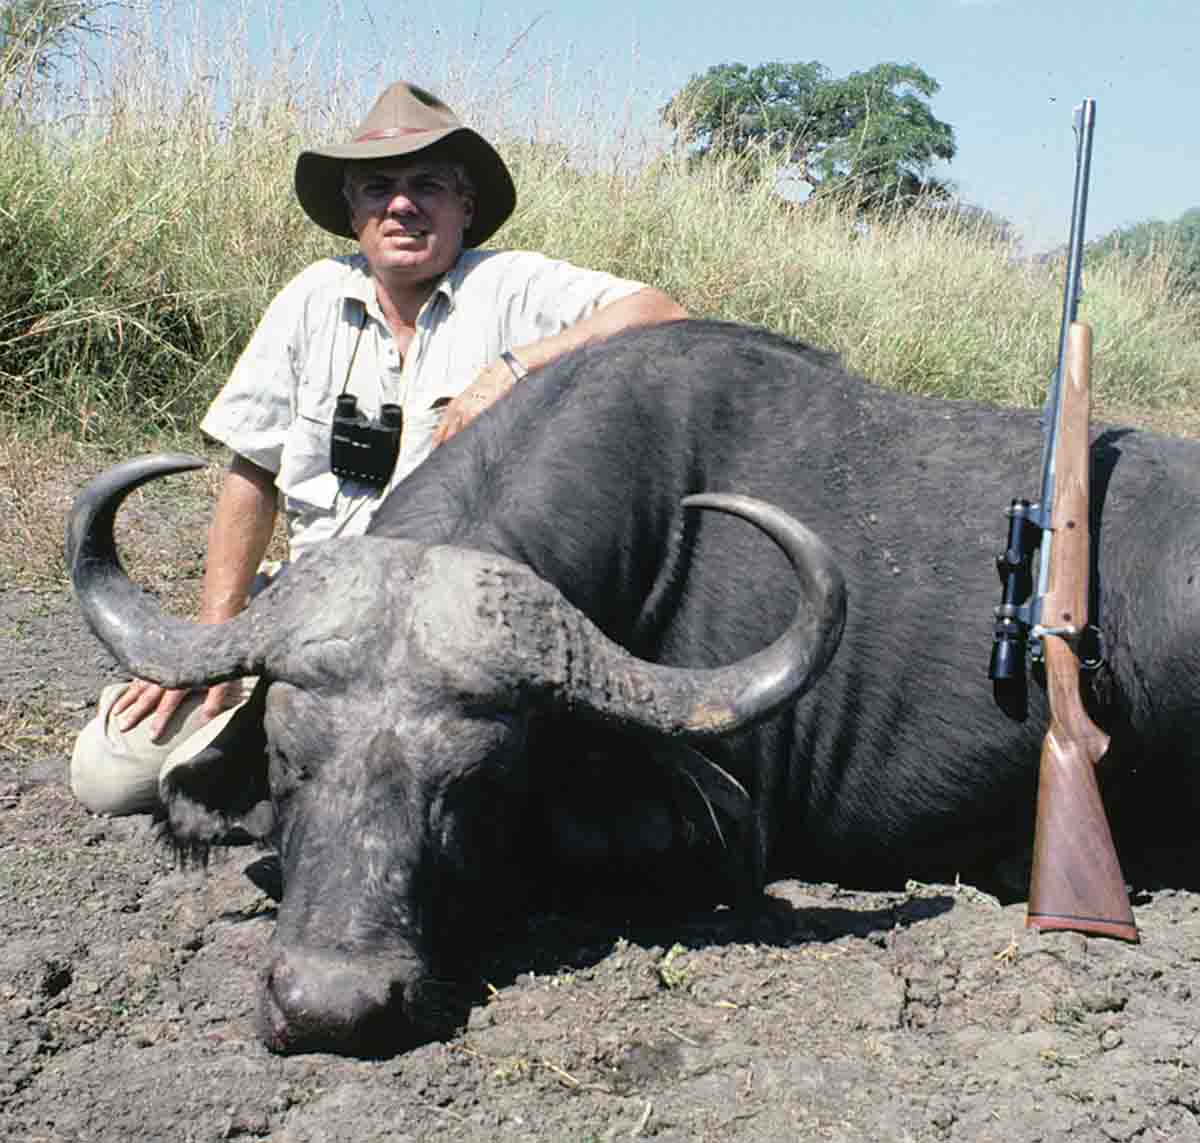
x: 1010, y: 73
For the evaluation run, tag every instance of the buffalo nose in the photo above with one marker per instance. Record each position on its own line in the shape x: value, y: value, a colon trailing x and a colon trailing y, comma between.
x: 316, y: 1002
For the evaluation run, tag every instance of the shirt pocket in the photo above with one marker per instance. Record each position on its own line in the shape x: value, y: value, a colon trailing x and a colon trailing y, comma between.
x: 304, y: 472
x: 417, y: 441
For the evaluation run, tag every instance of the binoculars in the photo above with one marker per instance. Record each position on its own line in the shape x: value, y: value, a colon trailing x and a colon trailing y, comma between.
x: 365, y: 448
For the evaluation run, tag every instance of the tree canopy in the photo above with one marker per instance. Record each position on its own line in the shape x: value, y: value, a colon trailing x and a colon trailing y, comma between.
x: 870, y: 136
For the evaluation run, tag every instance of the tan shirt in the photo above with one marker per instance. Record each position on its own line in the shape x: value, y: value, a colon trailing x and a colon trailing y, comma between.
x: 277, y: 407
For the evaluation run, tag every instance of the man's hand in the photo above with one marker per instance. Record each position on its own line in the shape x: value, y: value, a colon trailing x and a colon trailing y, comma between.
x: 491, y: 384
x: 142, y: 699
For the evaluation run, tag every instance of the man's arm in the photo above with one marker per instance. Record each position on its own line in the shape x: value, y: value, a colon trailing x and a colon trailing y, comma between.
x: 647, y: 306
x: 238, y: 536
x: 241, y: 530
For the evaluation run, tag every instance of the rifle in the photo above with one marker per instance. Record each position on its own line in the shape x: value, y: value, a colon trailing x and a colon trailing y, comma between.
x: 1076, y: 881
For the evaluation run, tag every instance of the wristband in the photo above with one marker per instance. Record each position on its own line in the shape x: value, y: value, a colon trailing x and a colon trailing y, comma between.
x: 515, y: 367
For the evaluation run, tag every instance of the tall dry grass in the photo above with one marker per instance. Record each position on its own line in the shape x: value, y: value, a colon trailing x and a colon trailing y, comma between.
x: 146, y: 218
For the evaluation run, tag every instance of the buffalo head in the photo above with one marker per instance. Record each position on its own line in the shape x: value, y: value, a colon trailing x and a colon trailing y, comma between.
x: 398, y: 683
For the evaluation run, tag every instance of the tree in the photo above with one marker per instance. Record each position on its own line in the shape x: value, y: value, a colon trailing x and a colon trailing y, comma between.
x: 1178, y: 241
x: 33, y: 38
x: 870, y: 137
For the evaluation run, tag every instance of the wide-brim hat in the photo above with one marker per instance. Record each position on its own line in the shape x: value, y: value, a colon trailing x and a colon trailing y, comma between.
x: 407, y: 120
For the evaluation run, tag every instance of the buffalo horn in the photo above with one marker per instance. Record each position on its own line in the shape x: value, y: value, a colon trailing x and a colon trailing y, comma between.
x: 563, y: 654
x: 128, y: 621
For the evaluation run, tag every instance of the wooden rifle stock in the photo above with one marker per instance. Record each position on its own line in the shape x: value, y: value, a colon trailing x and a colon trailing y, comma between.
x: 1076, y: 881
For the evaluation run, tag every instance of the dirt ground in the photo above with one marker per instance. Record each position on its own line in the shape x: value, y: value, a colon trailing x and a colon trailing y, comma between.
x: 127, y: 985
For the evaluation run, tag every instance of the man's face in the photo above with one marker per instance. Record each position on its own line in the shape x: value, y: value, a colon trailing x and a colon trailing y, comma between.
x: 409, y: 216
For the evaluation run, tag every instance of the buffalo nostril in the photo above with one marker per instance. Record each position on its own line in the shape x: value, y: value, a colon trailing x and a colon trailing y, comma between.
x: 374, y: 1005
x: 318, y: 1003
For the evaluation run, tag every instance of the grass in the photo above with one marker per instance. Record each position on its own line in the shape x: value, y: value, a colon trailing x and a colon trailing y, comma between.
x: 34, y: 498
x: 40, y: 476
x: 147, y: 218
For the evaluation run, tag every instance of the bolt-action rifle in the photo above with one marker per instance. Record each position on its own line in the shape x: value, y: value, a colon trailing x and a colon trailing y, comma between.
x: 1076, y: 881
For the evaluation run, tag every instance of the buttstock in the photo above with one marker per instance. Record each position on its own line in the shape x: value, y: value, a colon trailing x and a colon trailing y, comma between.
x: 1077, y: 882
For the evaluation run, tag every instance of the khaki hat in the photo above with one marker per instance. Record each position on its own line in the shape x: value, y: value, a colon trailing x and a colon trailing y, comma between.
x: 407, y: 120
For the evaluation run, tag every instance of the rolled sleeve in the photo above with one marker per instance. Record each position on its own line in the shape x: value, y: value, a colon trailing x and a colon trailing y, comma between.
x: 553, y: 295
x: 558, y: 294
x: 253, y: 412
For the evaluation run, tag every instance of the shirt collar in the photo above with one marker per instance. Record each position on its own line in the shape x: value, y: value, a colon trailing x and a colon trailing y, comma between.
x: 360, y: 286
x: 452, y: 281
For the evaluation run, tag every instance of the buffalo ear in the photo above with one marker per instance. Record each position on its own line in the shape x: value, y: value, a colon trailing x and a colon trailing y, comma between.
x: 221, y: 795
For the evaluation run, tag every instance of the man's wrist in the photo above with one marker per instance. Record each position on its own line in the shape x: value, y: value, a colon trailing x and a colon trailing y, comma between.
x: 515, y: 366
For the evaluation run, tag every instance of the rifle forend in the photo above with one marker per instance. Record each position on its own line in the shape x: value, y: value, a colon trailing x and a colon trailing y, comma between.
x: 1077, y: 882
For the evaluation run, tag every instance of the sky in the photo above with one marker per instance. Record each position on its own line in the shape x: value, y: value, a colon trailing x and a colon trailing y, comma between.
x: 1010, y: 73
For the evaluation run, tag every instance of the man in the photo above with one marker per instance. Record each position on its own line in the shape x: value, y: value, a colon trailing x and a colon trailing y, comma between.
x: 420, y: 319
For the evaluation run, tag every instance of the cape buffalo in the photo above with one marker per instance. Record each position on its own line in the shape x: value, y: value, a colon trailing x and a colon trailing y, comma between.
x: 444, y: 721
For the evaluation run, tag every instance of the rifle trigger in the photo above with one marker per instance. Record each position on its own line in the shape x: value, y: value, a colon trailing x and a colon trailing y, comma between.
x: 1092, y: 652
